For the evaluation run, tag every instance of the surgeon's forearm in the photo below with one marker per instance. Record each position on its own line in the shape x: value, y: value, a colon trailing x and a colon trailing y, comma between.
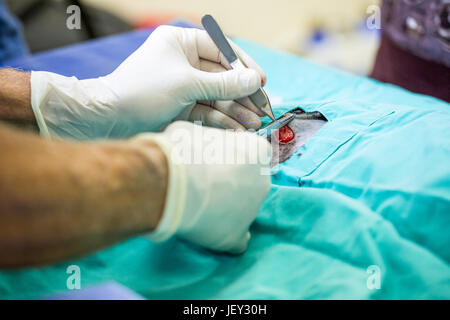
x: 15, y: 103
x: 60, y: 200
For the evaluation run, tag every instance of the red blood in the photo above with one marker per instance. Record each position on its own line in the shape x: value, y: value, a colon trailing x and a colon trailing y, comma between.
x: 286, y: 134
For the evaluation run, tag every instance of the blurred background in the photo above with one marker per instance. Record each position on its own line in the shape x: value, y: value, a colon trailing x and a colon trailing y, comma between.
x: 327, y: 31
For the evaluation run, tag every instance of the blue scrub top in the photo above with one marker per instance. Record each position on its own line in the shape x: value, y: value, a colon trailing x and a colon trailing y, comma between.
x: 12, y: 44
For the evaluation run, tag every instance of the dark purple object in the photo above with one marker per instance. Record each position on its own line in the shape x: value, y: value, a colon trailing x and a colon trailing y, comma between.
x: 421, y: 27
x: 415, y: 46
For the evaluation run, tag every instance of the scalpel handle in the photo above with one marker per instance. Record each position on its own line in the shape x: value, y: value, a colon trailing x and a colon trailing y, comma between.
x: 259, y: 98
x: 216, y: 34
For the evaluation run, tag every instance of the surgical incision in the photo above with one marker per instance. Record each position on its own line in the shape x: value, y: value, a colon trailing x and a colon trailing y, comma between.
x: 286, y: 134
x: 289, y: 139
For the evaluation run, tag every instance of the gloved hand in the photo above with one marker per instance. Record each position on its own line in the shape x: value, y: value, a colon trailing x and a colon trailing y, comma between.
x: 212, y: 196
x: 177, y: 73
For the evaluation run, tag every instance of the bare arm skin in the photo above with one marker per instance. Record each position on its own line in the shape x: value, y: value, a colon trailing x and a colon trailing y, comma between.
x: 15, y: 106
x: 60, y: 200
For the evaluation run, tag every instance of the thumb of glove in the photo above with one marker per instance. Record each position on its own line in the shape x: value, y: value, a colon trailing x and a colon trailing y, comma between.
x: 227, y: 85
x: 240, y: 245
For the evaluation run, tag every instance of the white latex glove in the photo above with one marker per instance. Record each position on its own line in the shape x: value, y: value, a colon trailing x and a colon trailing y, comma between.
x: 212, y: 203
x: 176, y: 72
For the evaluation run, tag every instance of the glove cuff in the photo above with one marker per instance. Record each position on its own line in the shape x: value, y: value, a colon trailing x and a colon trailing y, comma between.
x: 175, y: 195
x: 39, y: 94
x: 66, y: 107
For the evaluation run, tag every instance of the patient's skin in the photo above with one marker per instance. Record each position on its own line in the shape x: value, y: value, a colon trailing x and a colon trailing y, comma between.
x: 305, y: 125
